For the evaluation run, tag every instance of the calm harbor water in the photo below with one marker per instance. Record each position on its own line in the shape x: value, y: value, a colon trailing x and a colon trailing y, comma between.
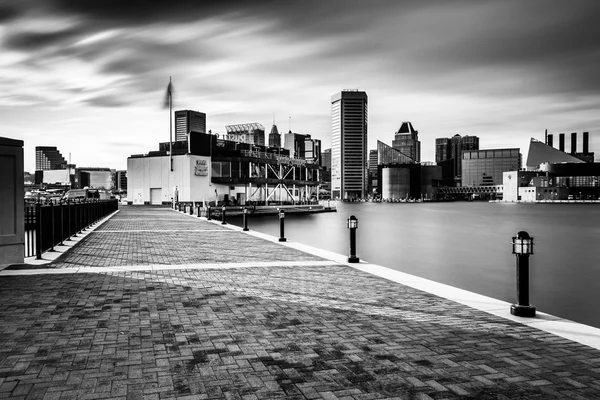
x: 467, y: 245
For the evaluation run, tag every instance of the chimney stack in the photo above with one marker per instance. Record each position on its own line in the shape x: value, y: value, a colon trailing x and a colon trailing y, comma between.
x: 573, y: 142
x: 586, y: 143
x: 561, y: 142
x: 550, y: 141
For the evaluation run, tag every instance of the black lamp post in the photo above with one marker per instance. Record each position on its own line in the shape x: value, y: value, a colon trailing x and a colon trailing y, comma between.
x: 281, y: 226
x: 522, y: 246
x: 223, y: 216
x: 245, y: 213
x: 353, y: 225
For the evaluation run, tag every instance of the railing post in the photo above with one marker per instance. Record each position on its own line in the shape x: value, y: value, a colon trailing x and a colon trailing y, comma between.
x: 38, y: 230
x: 51, y: 226
x: 62, y: 224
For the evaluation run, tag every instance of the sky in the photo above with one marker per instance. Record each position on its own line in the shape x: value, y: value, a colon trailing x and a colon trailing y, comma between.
x: 89, y: 77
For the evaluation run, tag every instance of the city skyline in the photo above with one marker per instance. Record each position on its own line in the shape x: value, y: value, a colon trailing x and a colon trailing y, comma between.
x: 90, y: 77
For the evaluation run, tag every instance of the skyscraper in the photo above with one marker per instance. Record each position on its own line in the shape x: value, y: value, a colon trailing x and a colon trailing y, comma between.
x: 47, y: 158
x: 274, y: 137
x: 187, y: 121
x: 349, y: 115
x: 406, y: 141
x: 448, y: 154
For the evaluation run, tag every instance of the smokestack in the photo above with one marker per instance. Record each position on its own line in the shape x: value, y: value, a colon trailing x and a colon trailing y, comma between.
x: 561, y: 141
x: 586, y: 143
x: 550, y: 141
x: 546, y: 137
x: 573, y: 142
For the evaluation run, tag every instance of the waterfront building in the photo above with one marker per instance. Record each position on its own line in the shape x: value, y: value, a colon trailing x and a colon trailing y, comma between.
x: 251, y: 133
x: 49, y: 158
x: 187, y: 121
x: 274, y: 137
x: 552, y: 175
x: 217, y: 171
x: 406, y: 141
x: 389, y: 155
x: 486, y: 167
x: 349, y: 117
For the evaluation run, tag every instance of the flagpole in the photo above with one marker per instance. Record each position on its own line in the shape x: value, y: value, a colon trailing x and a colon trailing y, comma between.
x: 171, y: 123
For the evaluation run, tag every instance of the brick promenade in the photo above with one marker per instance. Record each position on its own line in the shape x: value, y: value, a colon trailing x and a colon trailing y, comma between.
x: 285, y: 324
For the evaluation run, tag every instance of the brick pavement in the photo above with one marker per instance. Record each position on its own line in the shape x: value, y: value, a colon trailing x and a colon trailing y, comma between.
x: 264, y: 332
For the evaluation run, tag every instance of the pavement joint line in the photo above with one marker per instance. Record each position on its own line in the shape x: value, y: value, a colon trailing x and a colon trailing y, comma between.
x: 158, y: 230
x: 159, y: 267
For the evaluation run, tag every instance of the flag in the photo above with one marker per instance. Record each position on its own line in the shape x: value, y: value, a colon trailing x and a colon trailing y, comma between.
x: 169, y: 94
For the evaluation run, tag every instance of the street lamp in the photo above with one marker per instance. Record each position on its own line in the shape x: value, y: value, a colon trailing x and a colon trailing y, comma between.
x: 353, y: 225
x: 522, y: 247
x: 281, y: 225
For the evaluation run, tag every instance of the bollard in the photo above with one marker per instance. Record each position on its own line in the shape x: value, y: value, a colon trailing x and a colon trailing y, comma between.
x: 208, y: 213
x: 245, y: 213
x: 352, y: 225
x: 223, y: 216
x: 281, y: 226
x: 199, y: 210
x: 522, y: 246
x: 192, y: 209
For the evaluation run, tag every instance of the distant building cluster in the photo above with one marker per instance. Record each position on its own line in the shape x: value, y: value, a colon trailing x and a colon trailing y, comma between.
x: 245, y: 164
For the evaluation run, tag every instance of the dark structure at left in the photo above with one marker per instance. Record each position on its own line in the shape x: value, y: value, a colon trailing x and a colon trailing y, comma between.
x: 12, y: 235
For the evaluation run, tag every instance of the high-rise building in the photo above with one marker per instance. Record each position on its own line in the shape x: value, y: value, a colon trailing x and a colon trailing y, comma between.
x: 47, y: 158
x: 187, y: 121
x: 349, y: 117
x: 406, y: 141
x: 122, y: 180
x: 448, y: 154
x: 274, y: 137
x: 326, y: 164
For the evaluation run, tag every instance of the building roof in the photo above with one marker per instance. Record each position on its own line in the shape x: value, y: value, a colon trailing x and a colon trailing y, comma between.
x: 244, y: 128
x: 540, y: 153
x: 406, y: 127
x: 274, y: 130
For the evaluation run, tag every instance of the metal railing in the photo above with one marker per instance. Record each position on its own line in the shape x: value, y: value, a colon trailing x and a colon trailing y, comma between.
x: 49, y: 225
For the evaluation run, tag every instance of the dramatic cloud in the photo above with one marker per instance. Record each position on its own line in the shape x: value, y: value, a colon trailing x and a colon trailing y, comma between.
x: 503, y: 70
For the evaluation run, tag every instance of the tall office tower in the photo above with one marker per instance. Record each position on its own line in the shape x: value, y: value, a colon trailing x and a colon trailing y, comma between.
x: 187, y: 121
x: 47, y: 158
x: 406, y: 141
x: 442, y: 149
x: 274, y: 137
x: 457, y: 146
x: 349, y: 117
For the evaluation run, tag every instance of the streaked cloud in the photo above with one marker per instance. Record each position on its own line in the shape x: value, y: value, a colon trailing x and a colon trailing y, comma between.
x: 502, y: 70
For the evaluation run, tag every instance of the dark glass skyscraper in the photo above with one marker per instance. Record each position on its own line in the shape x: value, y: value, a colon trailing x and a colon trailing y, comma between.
x: 349, y: 116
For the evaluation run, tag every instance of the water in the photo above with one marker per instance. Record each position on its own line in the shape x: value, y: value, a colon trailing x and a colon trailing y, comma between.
x: 467, y: 245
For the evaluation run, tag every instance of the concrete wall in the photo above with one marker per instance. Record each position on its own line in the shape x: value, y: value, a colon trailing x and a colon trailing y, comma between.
x: 12, y: 195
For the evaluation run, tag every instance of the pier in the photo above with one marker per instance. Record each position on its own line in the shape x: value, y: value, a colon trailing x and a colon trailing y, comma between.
x: 153, y: 303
